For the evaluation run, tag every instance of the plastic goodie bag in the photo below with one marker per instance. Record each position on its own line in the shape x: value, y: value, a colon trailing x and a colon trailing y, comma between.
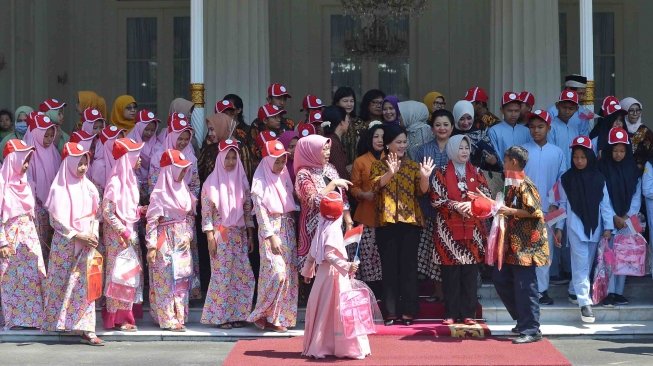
x: 630, y: 253
x: 604, y: 264
x: 358, y: 310
x: 94, y: 270
x: 125, y: 280
x: 182, y: 270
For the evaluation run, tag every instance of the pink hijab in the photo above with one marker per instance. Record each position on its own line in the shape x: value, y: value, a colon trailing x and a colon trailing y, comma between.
x: 327, y: 234
x: 308, y: 152
x: 44, y: 164
x: 227, y: 190
x: 171, y: 143
x: 103, y: 161
x: 148, y: 150
x: 275, y: 190
x: 16, y: 197
x: 170, y: 198
x: 73, y: 201
x: 122, y: 188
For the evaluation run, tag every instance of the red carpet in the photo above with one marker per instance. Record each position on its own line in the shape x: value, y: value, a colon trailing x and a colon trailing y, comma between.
x: 435, y: 329
x: 408, y: 351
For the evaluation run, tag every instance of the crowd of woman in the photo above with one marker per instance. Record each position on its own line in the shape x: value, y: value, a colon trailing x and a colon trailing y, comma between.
x: 129, y: 207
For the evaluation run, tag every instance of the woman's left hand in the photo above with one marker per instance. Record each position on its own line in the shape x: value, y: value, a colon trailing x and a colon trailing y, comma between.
x: 426, y: 167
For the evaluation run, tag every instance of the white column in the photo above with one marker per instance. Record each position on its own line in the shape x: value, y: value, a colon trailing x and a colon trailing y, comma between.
x: 587, y: 51
x: 525, y: 50
x: 197, y: 68
x: 237, y: 52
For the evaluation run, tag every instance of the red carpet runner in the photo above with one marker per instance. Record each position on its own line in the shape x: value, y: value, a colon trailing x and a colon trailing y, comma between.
x: 406, y: 351
x: 435, y: 329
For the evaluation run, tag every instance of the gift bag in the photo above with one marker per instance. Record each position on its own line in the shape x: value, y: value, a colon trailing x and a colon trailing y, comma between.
x: 605, y: 260
x: 126, y: 276
x: 357, y: 310
x: 498, y: 222
x: 630, y: 254
x: 182, y: 270
x: 94, y: 271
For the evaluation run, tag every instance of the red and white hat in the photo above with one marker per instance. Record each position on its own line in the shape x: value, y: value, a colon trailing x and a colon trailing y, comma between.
x: 306, y: 129
x: 482, y: 207
x: 176, y: 116
x: 618, y: 135
x: 315, y: 116
x: 331, y: 206
x: 527, y: 97
x: 476, y: 94
x: 110, y: 133
x: 81, y: 135
x: 277, y: 90
x: 146, y: 116
x: 178, y: 124
x: 92, y: 115
x: 174, y: 157
x: 541, y: 114
x: 15, y: 145
x: 223, y: 105
x: 264, y: 137
x: 41, y: 121
x: 30, y: 119
x: 228, y: 144
x: 72, y: 149
x: 274, y: 149
x: 269, y: 110
x: 50, y: 104
x: 311, y: 102
x: 569, y: 96
x: 582, y: 141
x: 124, y: 145
x: 509, y: 97
x: 610, y: 105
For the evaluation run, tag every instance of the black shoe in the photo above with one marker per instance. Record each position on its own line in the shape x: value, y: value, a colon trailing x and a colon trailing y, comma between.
x: 620, y: 300
x: 545, y: 299
x: 389, y: 322
x: 528, y: 338
x: 557, y: 280
x: 586, y: 314
x: 609, y: 302
x: 515, y: 330
x: 573, y: 299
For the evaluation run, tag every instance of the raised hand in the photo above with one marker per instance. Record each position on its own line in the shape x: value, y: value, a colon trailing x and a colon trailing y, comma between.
x: 426, y: 167
x: 393, y: 163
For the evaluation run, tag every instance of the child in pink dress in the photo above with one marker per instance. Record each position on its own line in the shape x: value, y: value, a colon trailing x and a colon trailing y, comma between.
x: 323, y: 334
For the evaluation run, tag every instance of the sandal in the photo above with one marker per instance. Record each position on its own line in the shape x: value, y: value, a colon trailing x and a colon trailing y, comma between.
x: 238, y: 324
x: 260, y: 323
x: 127, y: 328
x: 17, y: 327
x: 276, y: 328
x: 91, y: 339
x: 177, y: 328
x: 225, y: 326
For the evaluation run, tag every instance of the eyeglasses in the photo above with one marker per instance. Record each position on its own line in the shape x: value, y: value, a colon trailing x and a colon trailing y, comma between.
x: 634, y: 111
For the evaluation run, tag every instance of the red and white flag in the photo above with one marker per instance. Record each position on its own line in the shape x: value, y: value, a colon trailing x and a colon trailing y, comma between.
x: 555, y: 216
x: 354, y: 235
x: 634, y: 224
x: 554, y: 194
x: 514, y: 178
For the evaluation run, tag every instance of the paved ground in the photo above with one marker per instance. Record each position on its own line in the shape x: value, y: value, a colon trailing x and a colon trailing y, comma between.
x: 580, y: 351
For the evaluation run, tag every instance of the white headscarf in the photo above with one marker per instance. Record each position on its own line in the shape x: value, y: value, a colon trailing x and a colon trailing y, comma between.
x: 415, y: 115
x: 626, y: 103
x: 461, y: 108
x: 453, y: 147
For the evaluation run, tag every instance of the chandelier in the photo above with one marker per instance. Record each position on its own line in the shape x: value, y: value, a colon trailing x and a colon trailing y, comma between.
x: 382, y: 29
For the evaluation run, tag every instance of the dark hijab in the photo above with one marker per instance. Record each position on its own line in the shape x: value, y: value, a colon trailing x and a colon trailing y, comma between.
x: 584, y: 189
x: 620, y: 177
x: 602, y: 130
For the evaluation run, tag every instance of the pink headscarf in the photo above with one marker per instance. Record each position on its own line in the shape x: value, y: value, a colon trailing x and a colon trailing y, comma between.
x: 275, y: 190
x: 328, y: 233
x: 148, y: 150
x: 44, y: 164
x: 87, y: 126
x: 73, y: 201
x: 227, y: 190
x: 170, y: 198
x: 16, y: 197
x: 122, y: 188
x: 171, y: 143
x: 308, y: 152
x: 103, y: 161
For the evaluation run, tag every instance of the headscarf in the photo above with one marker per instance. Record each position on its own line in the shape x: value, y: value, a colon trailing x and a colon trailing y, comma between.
x: 103, y: 162
x: 148, y: 150
x: 102, y: 106
x: 117, y: 113
x: 430, y: 98
x: 170, y: 142
x: 620, y: 177
x: 170, y: 198
x: 275, y: 190
x: 122, y: 188
x: 584, y: 189
x: 88, y: 125
x: 602, y: 130
x: 88, y: 99
x: 21, y: 127
x: 16, y: 197
x: 395, y: 104
x: 181, y: 105
x: 415, y: 116
x: 461, y: 108
x: 308, y: 152
x: 222, y: 124
x: 452, y: 148
x: 227, y: 189
x: 285, y: 139
x: 44, y: 164
x: 71, y: 200
x: 327, y: 234
x: 626, y: 103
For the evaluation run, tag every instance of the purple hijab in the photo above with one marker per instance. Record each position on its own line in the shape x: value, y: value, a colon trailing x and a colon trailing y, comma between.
x: 395, y: 103
x: 285, y: 139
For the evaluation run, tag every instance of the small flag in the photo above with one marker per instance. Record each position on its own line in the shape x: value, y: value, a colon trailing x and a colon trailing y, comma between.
x: 587, y: 115
x: 555, y: 216
x: 554, y: 194
x: 514, y: 178
x: 354, y: 235
x: 634, y: 224
x: 221, y: 234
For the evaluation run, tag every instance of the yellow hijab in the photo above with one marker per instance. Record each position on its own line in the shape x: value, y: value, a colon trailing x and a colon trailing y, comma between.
x: 430, y: 98
x: 117, y: 118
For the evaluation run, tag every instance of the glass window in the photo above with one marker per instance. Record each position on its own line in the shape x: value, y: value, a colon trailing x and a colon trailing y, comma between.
x: 346, y: 70
x: 181, y: 57
x: 142, y: 61
x: 604, y: 55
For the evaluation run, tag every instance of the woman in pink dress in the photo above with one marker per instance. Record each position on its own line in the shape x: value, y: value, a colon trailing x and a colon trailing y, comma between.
x: 324, y: 333
x: 73, y: 204
x: 121, y: 213
x: 22, y: 271
x: 103, y: 160
x: 145, y: 131
x: 168, y: 236
x: 227, y: 222
x: 272, y: 194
